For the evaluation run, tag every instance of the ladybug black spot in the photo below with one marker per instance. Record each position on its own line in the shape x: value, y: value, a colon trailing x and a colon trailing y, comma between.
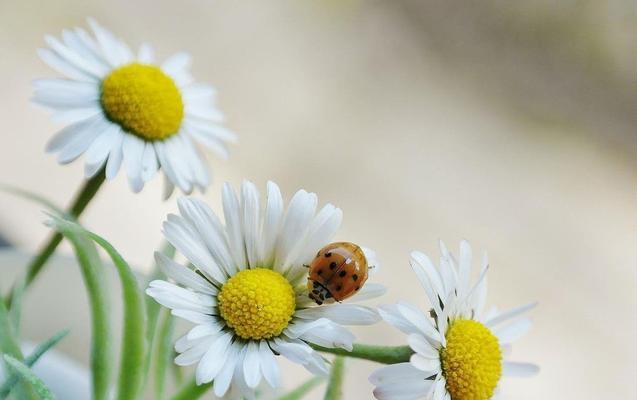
x: 332, y: 265
x: 338, y: 288
x: 342, y: 273
x: 319, y: 272
x: 328, y: 254
x: 354, y: 277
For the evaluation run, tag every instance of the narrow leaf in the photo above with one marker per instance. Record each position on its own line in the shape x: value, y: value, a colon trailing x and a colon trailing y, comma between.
x: 29, y: 361
x: 15, y: 313
x: 9, y: 345
x: 36, y: 198
x: 163, y: 352
x: 153, y: 308
x: 93, y: 273
x: 133, y: 350
x: 25, y: 373
x: 335, y: 386
x: 303, y: 389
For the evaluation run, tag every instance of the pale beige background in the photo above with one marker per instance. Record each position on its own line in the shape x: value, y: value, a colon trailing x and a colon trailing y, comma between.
x: 512, y: 126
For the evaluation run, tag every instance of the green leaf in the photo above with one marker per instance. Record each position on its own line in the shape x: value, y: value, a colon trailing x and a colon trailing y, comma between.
x: 34, y: 197
x: 133, y: 350
x: 29, y: 361
x: 93, y: 273
x: 301, y: 390
x: 8, y: 341
x: 191, y: 391
x: 335, y: 385
x: 25, y: 373
x: 9, y: 345
x: 15, y: 313
x: 153, y: 308
x: 163, y: 352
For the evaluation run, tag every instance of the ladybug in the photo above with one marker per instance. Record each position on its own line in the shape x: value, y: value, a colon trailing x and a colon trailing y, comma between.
x: 337, y: 272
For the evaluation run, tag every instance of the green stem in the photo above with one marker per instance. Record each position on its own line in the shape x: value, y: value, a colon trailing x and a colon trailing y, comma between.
x: 335, y: 386
x: 380, y: 354
x: 82, y: 199
x: 191, y: 391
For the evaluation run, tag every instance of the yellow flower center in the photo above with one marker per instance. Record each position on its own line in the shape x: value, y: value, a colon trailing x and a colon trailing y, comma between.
x: 472, y: 361
x: 143, y: 100
x: 257, y: 303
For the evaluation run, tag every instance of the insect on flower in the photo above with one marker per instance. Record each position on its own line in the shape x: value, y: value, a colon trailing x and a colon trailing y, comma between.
x: 337, y: 272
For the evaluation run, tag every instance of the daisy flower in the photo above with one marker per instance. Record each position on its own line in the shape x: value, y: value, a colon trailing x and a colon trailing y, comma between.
x: 459, y: 349
x: 122, y: 107
x: 245, y: 287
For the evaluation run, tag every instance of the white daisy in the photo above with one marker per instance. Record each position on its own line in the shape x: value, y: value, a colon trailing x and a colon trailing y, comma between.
x: 122, y: 107
x: 246, y: 287
x: 459, y: 351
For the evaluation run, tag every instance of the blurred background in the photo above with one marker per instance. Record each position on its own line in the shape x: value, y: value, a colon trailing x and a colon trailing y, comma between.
x: 510, y: 124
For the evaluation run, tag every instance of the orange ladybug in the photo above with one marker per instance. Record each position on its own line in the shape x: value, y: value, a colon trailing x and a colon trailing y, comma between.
x: 338, y: 271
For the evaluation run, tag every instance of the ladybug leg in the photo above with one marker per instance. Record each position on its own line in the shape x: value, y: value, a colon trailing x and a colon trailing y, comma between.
x: 306, y: 266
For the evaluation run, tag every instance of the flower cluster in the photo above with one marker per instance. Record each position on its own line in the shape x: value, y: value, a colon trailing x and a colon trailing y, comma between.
x: 264, y: 280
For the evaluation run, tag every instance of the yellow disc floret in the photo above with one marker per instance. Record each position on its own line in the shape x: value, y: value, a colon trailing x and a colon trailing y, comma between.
x: 257, y: 303
x: 143, y: 100
x: 471, y: 361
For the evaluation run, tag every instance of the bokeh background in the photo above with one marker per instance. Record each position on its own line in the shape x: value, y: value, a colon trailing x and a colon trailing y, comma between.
x: 511, y: 124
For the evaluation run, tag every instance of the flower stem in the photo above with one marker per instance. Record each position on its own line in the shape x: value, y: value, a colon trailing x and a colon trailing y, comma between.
x: 82, y: 199
x: 380, y: 354
x: 335, y: 386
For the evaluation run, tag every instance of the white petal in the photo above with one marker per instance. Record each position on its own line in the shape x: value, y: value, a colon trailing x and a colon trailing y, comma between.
x: 330, y: 335
x: 320, y: 232
x: 98, y: 151
x: 418, y: 319
x: 271, y: 224
x: 87, y: 66
x: 193, y: 316
x: 369, y: 291
x: 201, y: 331
x: 181, y: 234
x: 429, y: 278
x: 396, y: 373
x: 512, y: 332
x: 224, y: 377
x: 502, y: 317
x: 212, y: 362
x: 210, y: 230
x: 464, y: 275
x: 64, y: 67
x: 521, y: 370
x: 115, y: 156
x: 252, y: 365
x: 269, y: 366
x: 184, y: 275
x: 343, y: 314
x: 81, y: 141
x: 150, y: 164
x: 115, y: 51
x: 193, y: 354
x: 146, y: 54
x: 250, y: 221
x: 294, y: 228
x: 427, y: 365
x: 133, y: 148
x: 232, y: 215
